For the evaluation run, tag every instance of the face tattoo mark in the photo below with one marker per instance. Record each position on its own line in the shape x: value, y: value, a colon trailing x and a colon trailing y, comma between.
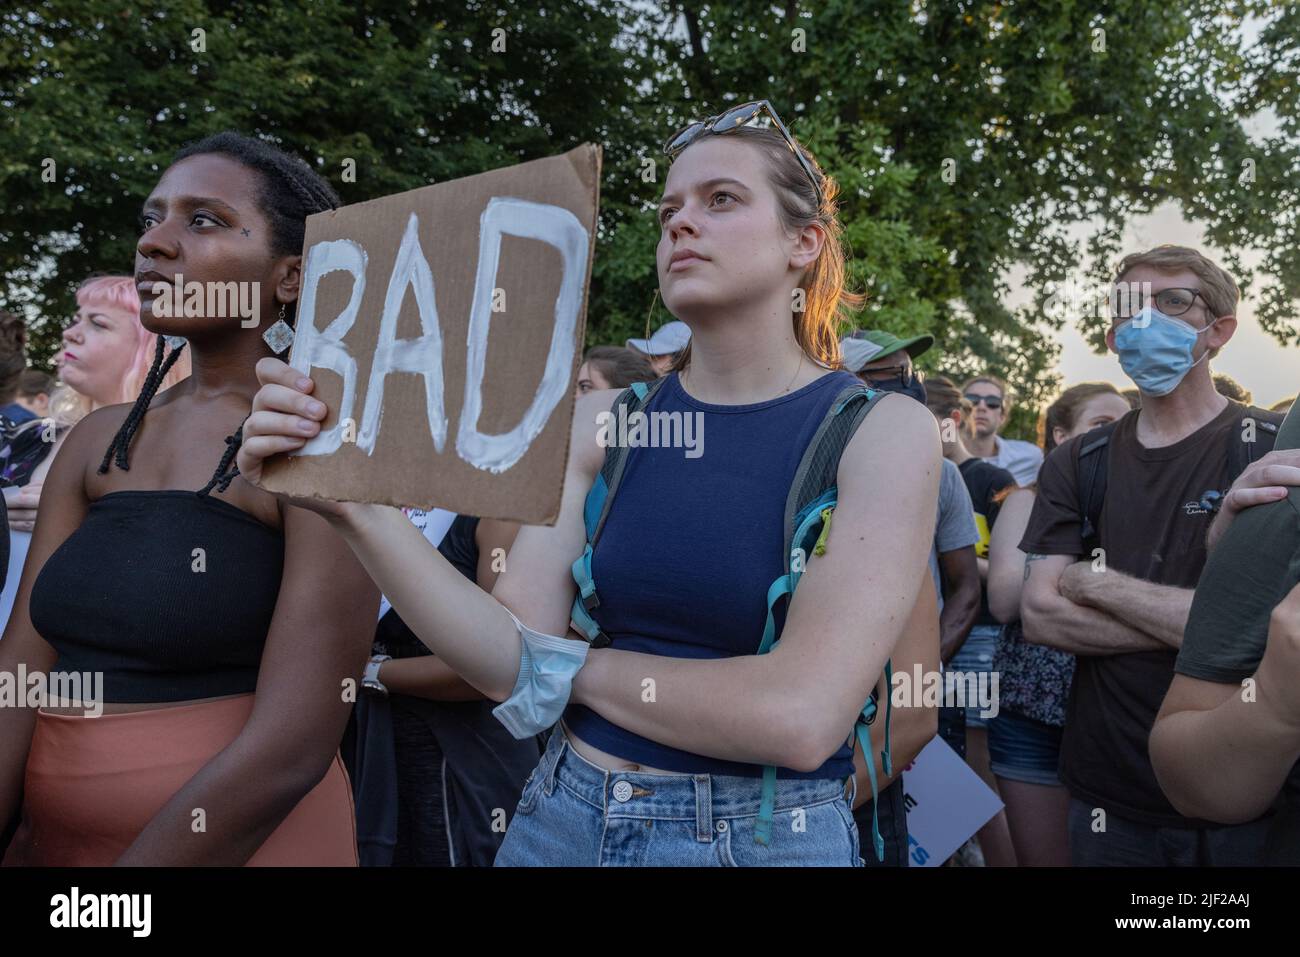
x: 245, y: 232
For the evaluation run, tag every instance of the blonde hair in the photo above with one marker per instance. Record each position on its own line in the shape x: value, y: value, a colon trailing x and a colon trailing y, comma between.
x: 115, y: 294
x: 828, y: 305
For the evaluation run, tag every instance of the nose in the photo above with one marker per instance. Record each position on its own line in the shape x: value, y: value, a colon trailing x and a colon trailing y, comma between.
x: 157, y: 243
x: 72, y: 334
x: 682, y: 223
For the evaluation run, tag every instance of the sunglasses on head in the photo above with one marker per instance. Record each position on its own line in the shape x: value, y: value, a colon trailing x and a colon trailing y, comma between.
x: 733, y: 119
x: 992, y: 401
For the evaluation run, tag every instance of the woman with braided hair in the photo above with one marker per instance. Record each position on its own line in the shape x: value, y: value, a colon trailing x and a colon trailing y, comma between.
x: 205, y: 588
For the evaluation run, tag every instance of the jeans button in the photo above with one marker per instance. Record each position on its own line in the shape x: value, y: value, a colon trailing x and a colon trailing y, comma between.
x: 622, y: 792
x: 722, y: 827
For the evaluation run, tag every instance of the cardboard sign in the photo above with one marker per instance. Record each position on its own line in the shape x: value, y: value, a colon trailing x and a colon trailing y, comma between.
x: 443, y: 328
x: 946, y: 804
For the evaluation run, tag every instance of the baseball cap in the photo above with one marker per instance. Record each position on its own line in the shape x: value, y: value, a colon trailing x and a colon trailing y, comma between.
x: 868, y: 345
x: 668, y: 339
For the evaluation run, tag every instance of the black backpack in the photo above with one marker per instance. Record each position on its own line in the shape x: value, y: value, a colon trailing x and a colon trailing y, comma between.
x: 1092, y: 470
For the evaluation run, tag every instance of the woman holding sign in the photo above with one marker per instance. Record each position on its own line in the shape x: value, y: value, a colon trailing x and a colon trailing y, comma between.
x: 664, y: 736
x: 203, y: 634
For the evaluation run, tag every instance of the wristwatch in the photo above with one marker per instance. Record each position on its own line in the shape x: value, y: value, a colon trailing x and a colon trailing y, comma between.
x: 370, y: 680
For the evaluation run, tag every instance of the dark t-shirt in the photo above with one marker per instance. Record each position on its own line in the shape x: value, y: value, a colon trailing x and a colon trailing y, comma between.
x: 1254, y: 566
x: 1151, y: 527
x: 984, y: 481
x: 460, y: 547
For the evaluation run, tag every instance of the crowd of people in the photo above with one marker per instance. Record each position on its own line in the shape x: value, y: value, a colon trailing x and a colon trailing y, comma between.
x: 691, y: 667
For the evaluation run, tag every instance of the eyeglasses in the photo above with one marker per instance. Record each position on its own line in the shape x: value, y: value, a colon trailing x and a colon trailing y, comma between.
x: 1173, y: 301
x: 992, y: 401
x: 733, y: 119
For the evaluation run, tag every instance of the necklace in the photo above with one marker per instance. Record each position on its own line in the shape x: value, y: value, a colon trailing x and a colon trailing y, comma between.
x: 798, y: 366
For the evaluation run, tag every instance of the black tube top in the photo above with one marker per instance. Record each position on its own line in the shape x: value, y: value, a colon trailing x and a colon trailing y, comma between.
x: 125, y: 596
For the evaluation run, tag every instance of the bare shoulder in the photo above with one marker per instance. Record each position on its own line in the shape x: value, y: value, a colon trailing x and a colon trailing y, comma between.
x: 88, y: 440
x: 102, y: 422
x: 899, y: 434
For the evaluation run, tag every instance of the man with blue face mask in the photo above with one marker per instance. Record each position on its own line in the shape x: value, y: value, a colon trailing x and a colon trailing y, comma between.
x: 1123, y: 608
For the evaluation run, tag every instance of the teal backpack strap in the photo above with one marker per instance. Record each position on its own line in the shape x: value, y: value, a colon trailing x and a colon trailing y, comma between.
x: 885, y: 761
x: 766, y: 807
x: 863, y: 729
x: 595, y: 510
x: 864, y: 738
x: 775, y: 592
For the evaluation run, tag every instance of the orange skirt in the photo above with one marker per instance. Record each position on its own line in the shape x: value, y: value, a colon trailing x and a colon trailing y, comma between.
x: 93, y: 784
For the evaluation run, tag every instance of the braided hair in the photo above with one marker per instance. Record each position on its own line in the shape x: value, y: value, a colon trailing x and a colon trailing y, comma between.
x: 289, y: 191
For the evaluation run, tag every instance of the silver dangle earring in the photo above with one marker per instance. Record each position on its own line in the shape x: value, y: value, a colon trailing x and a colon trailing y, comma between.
x: 280, y: 336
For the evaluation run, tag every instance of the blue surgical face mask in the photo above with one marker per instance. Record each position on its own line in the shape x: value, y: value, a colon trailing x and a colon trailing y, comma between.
x: 547, y: 667
x: 1155, y: 350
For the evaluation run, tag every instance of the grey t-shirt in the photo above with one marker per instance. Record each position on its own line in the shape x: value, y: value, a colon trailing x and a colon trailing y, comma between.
x: 955, y: 527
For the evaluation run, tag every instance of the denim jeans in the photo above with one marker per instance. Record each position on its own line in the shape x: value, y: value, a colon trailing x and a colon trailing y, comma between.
x: 576, y: 814
x: 975, y: 656
x: 1022, y: 749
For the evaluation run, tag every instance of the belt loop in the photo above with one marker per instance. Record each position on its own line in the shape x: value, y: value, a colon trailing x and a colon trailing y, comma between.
x: 554, y: 755
x: 703, y: 808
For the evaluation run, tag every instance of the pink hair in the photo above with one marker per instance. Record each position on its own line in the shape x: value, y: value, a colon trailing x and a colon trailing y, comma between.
x: 118, y: 295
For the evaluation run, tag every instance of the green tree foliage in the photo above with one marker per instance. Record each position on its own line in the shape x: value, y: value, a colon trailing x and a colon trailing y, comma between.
x: 970, y: 138
x: 414, y: 92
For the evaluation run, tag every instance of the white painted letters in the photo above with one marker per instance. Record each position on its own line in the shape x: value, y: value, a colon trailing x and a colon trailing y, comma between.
x: 561, y: 229
x: 422, y: 355
x: 325, y: 350
x: 314, y: 349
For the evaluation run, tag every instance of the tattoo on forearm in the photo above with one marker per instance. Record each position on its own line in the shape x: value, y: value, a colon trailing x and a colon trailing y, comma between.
x: 1029, y: 562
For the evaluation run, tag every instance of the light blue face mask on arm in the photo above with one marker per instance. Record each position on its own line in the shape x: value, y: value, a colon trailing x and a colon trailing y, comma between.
x: 547, y: 667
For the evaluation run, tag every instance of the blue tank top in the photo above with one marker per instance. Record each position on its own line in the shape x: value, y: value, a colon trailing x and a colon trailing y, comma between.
x: 690, y: 546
